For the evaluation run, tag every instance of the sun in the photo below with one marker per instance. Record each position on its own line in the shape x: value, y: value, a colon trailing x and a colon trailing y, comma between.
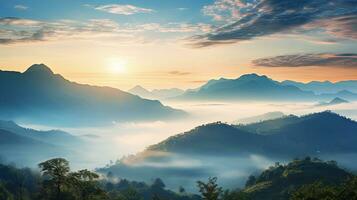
x: 117, y: 66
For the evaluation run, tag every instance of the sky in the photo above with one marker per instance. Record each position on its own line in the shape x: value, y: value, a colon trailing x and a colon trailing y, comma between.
x: 180, y: 43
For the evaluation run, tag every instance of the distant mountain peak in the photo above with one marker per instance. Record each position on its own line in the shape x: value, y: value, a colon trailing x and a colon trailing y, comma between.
x: 253, y: 76
x: 139, y: 88
x: 339, y: 100
x: 335, y: 101
x: 39, y: 69
x: 140, y: 91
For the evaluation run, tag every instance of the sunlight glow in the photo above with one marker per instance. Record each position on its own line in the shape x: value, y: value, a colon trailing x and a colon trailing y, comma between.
x: 117, y: 66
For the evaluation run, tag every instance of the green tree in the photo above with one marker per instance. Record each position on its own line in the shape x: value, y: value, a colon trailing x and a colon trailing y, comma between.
x: 86, y: 185
x: 158, y: 184
x: 129, y: 194
x: 316, y: 191
x: 55, y: 171
x: 235, y: 195
x: 348, y: 190
x: 5, y: 194
x: 251, y: 181
x: 182, y: 190
x: 210, y: 190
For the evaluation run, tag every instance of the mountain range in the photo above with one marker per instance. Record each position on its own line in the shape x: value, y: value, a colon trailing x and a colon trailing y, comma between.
x: 253, y: 87
x: 39, y: 96
x: 249, y: 87
x: 156, y: 93
x: 28, y: 146
x: 228, y: 151
x: 334, y: 101
x: 321, y: 87
x: 289, y: 136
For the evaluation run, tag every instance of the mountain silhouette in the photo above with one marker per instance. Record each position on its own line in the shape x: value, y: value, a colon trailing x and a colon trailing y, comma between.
x: 247, y: 87
x: 334, y: 101
x: 313, y: 134
x: 28, y: 146
x: 321, y: 87
x: 156, y: 93
x: 258, y: 118
x: 39, y: 96
x: 55, y: 137
x: 142, y: 92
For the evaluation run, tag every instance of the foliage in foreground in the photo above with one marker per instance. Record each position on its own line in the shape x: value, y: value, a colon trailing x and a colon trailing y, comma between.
x: 306, y: 179
x: 55, y: 181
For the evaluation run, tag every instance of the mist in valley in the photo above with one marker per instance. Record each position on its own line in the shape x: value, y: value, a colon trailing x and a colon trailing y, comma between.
x: 105, y: 146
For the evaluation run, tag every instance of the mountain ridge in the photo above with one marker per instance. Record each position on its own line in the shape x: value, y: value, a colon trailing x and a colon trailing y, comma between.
x: 156, y: 93
x: 247, y: 87
x: 305, y: 135
x: 50, y: 99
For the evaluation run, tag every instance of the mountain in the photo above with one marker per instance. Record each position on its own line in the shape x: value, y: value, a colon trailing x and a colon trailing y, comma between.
x: 25, y: 150
x: 57, y: 137
x: 334, y: 101
x: 231, y: 152
x: 325, y: 86
x: 39, y: 96
x: 28, y: 146
x: 214, y: 138
x: 156, y: 93
x: 258, y: 118
x: 343, y: 94
x: 142, y: 92
x: 248, y: 87
x: 167, y: 93
x: 318, y: 133
x: 280, y: 181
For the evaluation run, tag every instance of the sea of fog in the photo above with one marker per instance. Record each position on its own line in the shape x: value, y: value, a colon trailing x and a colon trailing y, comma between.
x: 108, y: 144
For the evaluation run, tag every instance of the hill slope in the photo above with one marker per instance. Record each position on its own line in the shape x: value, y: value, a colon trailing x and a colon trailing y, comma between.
x: 57, y: 137
x: 280, y: 181
x: 26, y: 146
x: 317, y: 133
x: 42, y: 97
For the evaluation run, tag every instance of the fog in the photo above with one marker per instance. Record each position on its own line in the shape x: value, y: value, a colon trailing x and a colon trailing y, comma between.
x: 108, y: 144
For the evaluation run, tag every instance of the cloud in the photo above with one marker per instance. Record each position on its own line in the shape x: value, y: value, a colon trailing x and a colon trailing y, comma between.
x: 26, y: 30
x: 179, y: 73
x: 176, y: 27
x: 17, y: 30
x: 20, y: 7
x: 341, y: 27
x: 123, y: 9
x: 307, y: 60
x: 248, y: 19
x: 228, y: 10
x: 13, y: 21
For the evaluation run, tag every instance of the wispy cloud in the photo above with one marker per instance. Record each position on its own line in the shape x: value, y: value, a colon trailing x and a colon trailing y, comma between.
x: 123, y: 9
x: 247, y: 20
x: 14, y: 21
x: 308, y: 60
x: 341, y: 27
x: 18, y: 30
x: 228, y: 10
x: 20, y: 7
x: 179, y: 73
